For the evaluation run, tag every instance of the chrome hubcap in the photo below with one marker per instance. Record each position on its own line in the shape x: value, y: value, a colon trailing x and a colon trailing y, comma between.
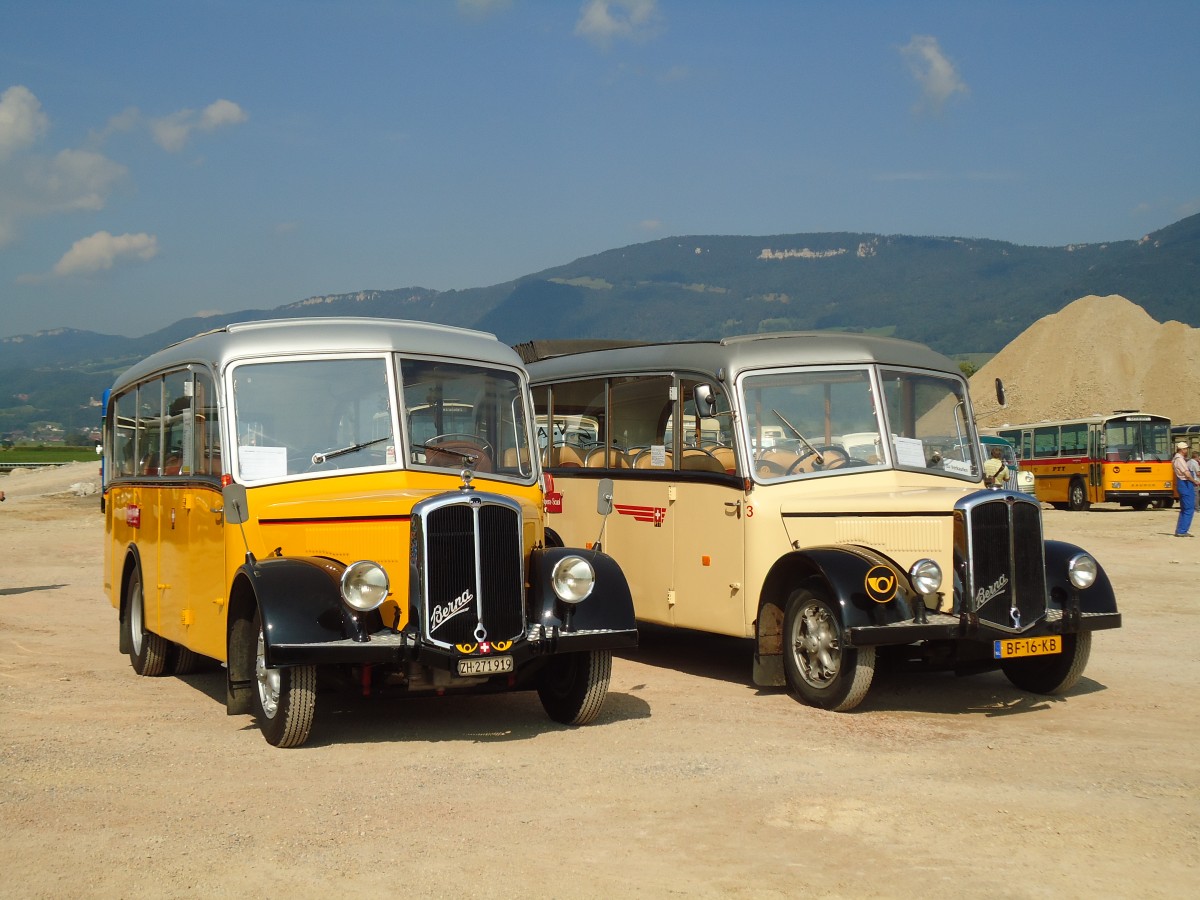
x: 267, y: 680
x: 816, y: 646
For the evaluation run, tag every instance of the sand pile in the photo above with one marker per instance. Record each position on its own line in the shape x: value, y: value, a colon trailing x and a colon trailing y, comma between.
x: 1094, y: 356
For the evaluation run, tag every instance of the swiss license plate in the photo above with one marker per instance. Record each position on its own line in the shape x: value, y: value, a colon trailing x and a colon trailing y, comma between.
x: 1038, y: 646
x: 485, y: 665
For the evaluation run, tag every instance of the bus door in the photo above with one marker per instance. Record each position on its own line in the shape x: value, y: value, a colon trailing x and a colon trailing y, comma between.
x: 173, y: 470
x: 1096, y: 458
x: 708, y: 518
x: 206, y: 565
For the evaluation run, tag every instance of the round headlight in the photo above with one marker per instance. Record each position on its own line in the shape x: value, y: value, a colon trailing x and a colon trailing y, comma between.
x: 364, y: 585
x: 926, y: 576
x: 573, y: 579
x: 1082, y: 570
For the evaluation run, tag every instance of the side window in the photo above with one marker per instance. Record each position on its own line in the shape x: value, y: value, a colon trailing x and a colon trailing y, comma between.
x: 1074, y: 439
x: 149, y: 424
x: 643, y: 416
x: 707, y: 428
x: 1045, y: 441
x: 179, y: 450
x: 208, y: 427
x: 122, y: 445
x: 577, y: 425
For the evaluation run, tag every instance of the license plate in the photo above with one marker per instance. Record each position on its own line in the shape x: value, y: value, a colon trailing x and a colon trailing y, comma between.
x: 485, y: 665
x: 1038, y: 646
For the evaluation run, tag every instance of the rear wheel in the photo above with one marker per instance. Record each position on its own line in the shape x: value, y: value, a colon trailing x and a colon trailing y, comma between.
x: 821, y: 670
x: 573, y: 686
x: 147, y: 651
x: 284, y: 700
x: 1051, y: 674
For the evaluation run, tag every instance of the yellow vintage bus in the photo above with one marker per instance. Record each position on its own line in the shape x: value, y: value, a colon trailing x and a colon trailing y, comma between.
x: 1121, y: 458
x: 820, y: 494
x: 347, y: 503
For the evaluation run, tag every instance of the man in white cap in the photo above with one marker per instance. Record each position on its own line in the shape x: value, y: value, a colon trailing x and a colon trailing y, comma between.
x: 1185, y: 486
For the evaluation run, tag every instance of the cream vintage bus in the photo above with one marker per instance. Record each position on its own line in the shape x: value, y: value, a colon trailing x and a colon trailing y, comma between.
x: 820, y: 494
x: 346, y: 502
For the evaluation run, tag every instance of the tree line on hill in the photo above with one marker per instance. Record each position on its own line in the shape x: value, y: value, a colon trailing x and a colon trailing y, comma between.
x: 961, y: 296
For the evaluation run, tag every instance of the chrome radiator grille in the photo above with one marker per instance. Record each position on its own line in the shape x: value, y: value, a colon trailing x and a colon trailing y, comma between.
x: 471, y: 575
x: 1003, y: 567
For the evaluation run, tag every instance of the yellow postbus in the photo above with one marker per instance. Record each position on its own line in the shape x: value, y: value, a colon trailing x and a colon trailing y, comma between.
x: 349, y: 500
x: 1121, y: 458
x: 820, y: 494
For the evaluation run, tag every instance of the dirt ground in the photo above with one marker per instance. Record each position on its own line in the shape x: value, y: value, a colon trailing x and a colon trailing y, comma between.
x: 691, y: 783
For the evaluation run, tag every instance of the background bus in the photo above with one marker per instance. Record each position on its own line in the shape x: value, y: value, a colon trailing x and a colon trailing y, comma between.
x: 1122, y: 458
x: 1189, y: 433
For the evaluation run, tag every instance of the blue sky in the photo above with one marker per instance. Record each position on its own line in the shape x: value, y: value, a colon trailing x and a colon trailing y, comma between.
x: 160, y: 160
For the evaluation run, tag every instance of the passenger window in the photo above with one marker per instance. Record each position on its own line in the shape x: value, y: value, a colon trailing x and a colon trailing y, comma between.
x: 577, y: 426
x: 643, y: 415
x: 707, y: 438
x: 149, y: 428
x: 123, y: 460
x: 178, y: 442
x: 208, y: 427
x: 1045, y: 442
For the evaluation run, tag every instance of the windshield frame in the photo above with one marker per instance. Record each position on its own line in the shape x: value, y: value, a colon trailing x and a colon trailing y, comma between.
x: 886, y: 455
x: 336, y: 461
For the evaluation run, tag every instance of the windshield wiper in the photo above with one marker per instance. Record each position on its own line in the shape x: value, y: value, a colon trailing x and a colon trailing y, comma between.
x: 820, y: 460
x: 319, y: 458
x: 469, y: 458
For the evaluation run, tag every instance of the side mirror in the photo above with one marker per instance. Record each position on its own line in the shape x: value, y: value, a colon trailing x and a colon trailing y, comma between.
x: 1000, y: 393
x: 604, y: 496
x: 236, y: 509
x: 706, y: 400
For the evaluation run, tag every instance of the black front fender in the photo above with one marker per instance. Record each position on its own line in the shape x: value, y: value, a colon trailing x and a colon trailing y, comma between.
x: 609, y: 608
x: 1099, y: 598
x: 845, y: 571
x: 299, y: 600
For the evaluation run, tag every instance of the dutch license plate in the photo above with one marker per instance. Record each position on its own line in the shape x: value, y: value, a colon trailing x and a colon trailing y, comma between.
x: 485, y: 665
x: 1038, y: 646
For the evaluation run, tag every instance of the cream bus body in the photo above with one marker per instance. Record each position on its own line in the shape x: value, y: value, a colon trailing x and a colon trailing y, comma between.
x: 823, y: 497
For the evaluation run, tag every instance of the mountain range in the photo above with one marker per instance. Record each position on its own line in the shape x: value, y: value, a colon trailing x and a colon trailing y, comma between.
x: 962, y: 296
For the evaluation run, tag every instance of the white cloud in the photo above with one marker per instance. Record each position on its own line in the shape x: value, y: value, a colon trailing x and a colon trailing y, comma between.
x: 22, y: 121
x: 934, y: 73
x: 71, y: 181
x: 174, y: 131
x: 650, y: 225
x: 102, y: 250
x: 603, y: 21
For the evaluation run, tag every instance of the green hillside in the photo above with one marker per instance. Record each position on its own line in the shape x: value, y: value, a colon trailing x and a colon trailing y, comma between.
x: 963, y: 296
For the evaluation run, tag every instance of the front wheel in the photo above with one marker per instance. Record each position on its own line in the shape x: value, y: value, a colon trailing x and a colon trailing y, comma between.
x: 284, y: 700
x: 147, y: 650
x: 573, y: 686
x: 1055, y: 673
x: 820, y: 669
x: 1077, y: 496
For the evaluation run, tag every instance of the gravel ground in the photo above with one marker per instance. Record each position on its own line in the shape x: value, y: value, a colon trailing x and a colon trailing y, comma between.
x: 691, y: 783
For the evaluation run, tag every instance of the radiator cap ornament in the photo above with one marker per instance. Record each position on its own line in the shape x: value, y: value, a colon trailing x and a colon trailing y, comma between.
x: 466, y: 476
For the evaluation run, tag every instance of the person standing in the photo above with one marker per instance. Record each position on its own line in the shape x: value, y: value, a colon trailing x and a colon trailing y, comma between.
x: 1185, y: 486
x: 995, y: 471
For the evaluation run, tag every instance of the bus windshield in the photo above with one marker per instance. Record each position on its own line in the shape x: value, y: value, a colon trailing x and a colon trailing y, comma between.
x: 319, y: 416
x: 812, y: 422
x: 1129, y: 440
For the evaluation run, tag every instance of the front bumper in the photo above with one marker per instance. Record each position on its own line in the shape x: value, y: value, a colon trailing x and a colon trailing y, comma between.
x: 948, y: 627
x: 387, y: 646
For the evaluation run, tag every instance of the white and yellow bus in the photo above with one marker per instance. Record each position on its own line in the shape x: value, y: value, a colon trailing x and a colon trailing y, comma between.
x: 350, y: 499
x: 1122, y: 458
x: 821, y: 494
